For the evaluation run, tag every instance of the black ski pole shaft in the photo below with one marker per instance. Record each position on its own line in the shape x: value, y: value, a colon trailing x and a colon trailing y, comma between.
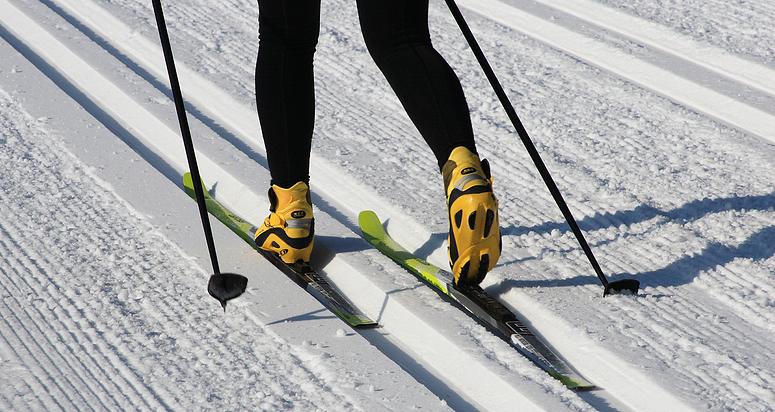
x: 531, y: 149
x: 222, y: 286
x: 186, y: 132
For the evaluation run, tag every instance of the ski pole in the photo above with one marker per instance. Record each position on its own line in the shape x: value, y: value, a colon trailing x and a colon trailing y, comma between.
x: 221, y: 286
x: 631, y: 285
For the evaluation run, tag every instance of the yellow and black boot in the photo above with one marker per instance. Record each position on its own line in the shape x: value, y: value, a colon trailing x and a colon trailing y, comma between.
x: 289, y: 230
x: 474, y: 232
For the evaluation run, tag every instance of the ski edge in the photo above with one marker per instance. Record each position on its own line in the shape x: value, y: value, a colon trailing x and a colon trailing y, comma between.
x: 317, y: 286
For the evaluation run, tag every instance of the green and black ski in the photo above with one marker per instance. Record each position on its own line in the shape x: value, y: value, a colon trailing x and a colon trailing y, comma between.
x: 477, y: 302
x: 303, y: 274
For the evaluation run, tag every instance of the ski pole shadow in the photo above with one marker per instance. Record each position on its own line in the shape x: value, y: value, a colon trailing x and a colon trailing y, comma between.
x: 388, y: 296
x: 506, y: 284
x: 314, y: 315
x: 688, y: 212
x: 564, y: 251
x: 417, y: 370
x: 759, y: 246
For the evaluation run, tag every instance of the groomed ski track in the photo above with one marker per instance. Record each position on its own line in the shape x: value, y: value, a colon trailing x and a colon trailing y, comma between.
x: 677, y: 347
x: 429, y: 338
x: 132, y: 330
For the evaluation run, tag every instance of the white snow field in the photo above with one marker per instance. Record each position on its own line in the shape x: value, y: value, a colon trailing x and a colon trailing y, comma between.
x: 656, y: 118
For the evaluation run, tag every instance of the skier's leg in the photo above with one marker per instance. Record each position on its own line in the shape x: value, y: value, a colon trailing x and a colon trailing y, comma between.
x: 285, y: 90
x: 288, y: 33
x: 397, y: 36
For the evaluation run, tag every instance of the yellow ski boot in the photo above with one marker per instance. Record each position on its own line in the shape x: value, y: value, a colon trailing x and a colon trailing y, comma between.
x: 474, y: 233
x: 289, y: 230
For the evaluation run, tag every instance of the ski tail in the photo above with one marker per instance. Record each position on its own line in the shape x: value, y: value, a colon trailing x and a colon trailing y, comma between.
x: 237, y: 225
x: 304, y: 275
x: 375, y: 233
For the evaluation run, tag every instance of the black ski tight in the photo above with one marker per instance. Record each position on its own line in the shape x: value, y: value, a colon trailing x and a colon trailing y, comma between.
x: 397, y: 37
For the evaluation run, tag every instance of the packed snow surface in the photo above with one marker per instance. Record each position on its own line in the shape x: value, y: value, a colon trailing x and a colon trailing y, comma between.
x: 102, y: 272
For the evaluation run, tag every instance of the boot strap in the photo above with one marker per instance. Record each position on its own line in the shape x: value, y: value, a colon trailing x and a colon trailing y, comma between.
x: 463, y: 181
x: 299, y: 223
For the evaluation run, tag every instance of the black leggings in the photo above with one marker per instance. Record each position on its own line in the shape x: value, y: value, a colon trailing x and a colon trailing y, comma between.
x: 397, y: 37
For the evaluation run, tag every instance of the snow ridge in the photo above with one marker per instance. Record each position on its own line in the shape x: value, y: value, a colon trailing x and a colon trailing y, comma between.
x: 72, y: 352
x: 731, y: 111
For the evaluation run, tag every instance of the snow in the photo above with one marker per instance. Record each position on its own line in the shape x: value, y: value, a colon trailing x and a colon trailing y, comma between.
x: 739, y: 27
x: 86, y: 332
x: 657, y: 132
